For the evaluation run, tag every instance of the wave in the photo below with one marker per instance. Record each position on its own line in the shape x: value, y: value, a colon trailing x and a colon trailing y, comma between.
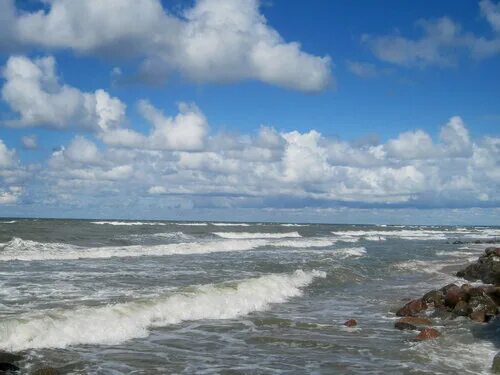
x: 294, y: 225
x: 126, y: 223
x: 113, y: 324
x: 248, y: 235
x: 401, y: 234
x: 230, y: 224
x: 191, y: 224
x: 25, y: 250
x: 8, y: 222
x: 348, y: 252
x: 303, y: 243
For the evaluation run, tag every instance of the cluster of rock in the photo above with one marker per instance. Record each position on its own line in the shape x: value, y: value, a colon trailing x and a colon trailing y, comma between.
x: 480, y: 303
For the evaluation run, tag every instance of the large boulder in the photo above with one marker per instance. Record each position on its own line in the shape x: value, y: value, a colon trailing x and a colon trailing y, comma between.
x: 486, y: 269
x: 454, y: 295
x: 482, y: 308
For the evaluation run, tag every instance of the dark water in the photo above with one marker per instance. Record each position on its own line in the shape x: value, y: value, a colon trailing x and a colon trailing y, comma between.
x: 209, y: 298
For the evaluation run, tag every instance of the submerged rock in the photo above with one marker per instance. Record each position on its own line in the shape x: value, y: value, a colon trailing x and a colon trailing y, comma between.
x: 351, y: 323
x: 46, y: 371
x: 428, y: 334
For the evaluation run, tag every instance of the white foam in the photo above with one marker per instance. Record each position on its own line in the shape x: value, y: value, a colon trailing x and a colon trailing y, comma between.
x: 113, y: 324
x: 248, y: 235
x: 8, y: 222
x: 350, y: 252
x: 303, y: 243
x: 25, y: 250
x: 192, y: 224
x: 429, y: 267
x: 126, y: 223
x: 402, y: 234
x: 230, y: 224
x: 294, y: 225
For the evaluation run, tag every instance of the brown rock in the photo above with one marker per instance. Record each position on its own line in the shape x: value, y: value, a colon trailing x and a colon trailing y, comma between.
x: 427, y: 334
x: 351, y: 323
x: 454, y: 295
x: 412, y: 308
x: 478, y: 316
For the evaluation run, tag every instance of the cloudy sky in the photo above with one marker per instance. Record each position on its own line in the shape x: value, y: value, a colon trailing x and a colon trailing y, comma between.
x: 345, y: 111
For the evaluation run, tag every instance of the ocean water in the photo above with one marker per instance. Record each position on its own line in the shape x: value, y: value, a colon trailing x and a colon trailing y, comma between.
x: 158, y: 297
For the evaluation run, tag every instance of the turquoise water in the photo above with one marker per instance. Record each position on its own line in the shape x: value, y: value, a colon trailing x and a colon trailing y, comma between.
x: 119, y: 297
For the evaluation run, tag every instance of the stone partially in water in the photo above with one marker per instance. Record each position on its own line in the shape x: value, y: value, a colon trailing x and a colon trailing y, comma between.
x: 486, y: 268
x: 412, y: 308
x: 428, y: 334
x: 351, y: 323
x: 46, y: 371
x: 461, y: 309
x: 496, y: 364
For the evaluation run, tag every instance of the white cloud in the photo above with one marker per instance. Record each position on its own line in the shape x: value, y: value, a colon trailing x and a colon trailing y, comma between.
x: 362, y: 69
x: 29, y: 142
x: 32, y: 90
x: 441, y: 44
x: 186, y: 131
x: 6, y: 156
x: 214, y: 40
x: 10, y: 196
x: 491, y: 11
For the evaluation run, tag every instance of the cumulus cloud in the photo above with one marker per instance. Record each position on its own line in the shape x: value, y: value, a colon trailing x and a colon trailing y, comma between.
x: 11, y: 175
x: 32, y: 90
x: 288, y: 169
x: 214, y: 40
x: 441, y: 43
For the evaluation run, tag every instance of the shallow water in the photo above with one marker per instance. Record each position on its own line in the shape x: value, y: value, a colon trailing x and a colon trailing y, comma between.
x: 114, y: 297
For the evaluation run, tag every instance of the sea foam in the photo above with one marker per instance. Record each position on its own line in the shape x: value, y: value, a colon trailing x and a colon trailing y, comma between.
x: 25, y: 250
x: 113, y: 324
x: 249, y: 235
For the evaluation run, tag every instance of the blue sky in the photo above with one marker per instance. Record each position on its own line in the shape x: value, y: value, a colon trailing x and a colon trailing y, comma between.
x: 330, y: 111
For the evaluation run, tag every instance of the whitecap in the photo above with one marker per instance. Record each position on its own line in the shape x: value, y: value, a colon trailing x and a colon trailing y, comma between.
x: 114, y: 324
x: 248, y: 235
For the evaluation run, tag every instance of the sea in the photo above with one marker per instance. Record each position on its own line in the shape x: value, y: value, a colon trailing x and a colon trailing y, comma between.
x: 166, y: 297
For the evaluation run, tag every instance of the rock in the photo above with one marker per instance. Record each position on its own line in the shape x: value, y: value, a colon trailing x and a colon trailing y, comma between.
x: 454, y: 295
x: 404, y: 326
x: 412, y: 308
x: 486, y: 269
x: 434, y: 297
x: 461, y: 309
x: 478, y: 316
x: 479, y: 304
x: 46, y: 371
x: 351, y: 323
x: 496, y: 364
x: 427, y: 334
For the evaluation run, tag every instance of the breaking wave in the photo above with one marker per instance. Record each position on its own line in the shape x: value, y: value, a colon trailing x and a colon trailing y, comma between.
x: 113, y: 324
x: 25, y: 250
x: 248, y: 235
x: 126, y: 223
x: 230, y: 224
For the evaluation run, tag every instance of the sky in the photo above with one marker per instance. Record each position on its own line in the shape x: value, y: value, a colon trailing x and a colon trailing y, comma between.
x: 246, y: 110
